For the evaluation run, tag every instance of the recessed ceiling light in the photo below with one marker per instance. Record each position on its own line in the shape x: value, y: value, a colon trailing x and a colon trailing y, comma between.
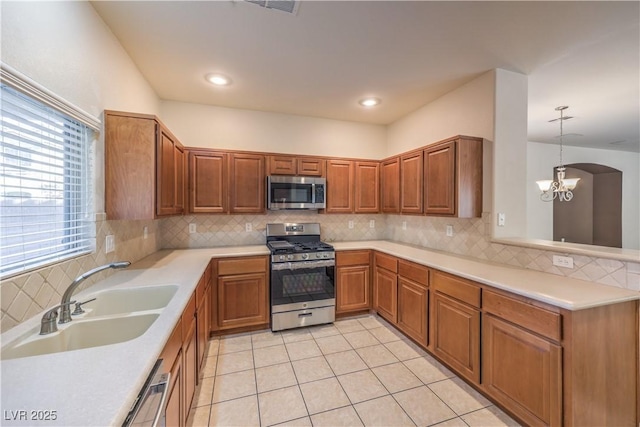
x: 218, y: 79
x: 369, y: 102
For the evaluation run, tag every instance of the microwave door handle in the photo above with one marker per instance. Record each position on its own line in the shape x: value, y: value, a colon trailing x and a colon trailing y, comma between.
x: 313, y: 193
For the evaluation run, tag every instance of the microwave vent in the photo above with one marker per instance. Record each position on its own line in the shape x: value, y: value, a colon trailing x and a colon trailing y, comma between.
x: 288, y: 6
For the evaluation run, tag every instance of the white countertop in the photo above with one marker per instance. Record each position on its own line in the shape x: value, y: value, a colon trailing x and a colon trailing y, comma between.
x: 96, y: 386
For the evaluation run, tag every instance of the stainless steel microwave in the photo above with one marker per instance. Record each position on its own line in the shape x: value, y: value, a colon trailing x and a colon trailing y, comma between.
x: 295, y: 192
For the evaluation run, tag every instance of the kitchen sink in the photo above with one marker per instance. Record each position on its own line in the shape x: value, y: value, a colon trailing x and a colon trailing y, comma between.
x: 118, y: 301
x: 80, y: 335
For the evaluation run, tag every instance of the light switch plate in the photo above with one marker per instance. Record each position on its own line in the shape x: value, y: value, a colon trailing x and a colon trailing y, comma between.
x: 404, y: 225
x: 449, y: 230
x: 563, y: 261
x: 350, y: 224
x: 372, y: 223
x: 248, y: 227
x: 502, y: 219
x: 145, y: 232
x: 192, y: 228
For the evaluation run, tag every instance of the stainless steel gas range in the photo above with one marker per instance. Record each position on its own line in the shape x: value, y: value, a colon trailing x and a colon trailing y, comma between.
x: 302, y: 276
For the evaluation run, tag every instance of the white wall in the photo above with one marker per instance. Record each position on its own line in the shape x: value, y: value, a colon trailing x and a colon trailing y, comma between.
x: 542, y: 158
x: 66, y: 47
x: 468, y: 110
x: 199, y: 125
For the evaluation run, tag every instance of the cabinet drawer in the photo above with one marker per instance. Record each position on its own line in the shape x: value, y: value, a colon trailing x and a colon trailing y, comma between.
x: 352, y: 258
x: 188, y: 315
x: 242, y: 265
x: 386, y: 261
x: 535, y: 319
x: 456, y: 287
x: 416, y: 272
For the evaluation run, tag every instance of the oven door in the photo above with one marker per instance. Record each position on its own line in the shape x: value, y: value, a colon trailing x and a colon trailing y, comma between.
x: 302, y: 282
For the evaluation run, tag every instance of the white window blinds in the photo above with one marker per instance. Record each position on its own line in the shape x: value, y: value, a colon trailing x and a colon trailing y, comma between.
x: 45, y: 183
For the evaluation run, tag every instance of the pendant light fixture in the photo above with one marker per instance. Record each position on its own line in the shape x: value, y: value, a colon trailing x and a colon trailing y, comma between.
x: 560, y: 189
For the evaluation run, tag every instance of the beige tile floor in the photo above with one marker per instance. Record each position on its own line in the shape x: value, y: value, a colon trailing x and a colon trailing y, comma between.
x: 358, y: 371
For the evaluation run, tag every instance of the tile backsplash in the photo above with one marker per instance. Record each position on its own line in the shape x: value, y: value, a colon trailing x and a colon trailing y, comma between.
x: 28, y: 294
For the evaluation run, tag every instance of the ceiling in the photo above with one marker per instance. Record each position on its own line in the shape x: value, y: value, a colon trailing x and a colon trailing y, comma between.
x: 322, y: 59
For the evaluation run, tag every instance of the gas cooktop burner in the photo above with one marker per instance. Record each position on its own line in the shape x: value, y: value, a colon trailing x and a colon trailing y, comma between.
x: 284, y: 247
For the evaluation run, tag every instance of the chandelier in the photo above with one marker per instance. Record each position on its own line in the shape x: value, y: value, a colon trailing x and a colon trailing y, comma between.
x: 560, y: 189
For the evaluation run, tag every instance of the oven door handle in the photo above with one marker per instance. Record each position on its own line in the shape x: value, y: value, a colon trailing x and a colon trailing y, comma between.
x: 279, y: 266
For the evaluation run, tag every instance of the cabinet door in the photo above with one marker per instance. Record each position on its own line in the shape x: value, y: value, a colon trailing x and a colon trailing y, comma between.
x: 440, y: 179
x: 190, y: 363
x: 456, y: 335
x: 411, y: 183
x: 174, y: 408
x: 412, y: 309
x: 242, y: 300
x: 352, y: 288
x: 166, y: 174
x: 385, y: 294
x: 247, y: 183
x: 390, y: 186
x: 181, y: 161
x: 367, y: 187
x: 339, y: 186
x: 207, y: 182
x: 202, y: 333
x: 281, y: 165
x: 310, y: 167
x: 523, y: 371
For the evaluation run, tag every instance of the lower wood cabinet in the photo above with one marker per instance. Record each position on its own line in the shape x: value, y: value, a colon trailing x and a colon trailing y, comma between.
x: 385, y: 286
x: 455, y: 323
x: 523, y: 371
x: 175, y: 406
x: 190, y: 371
x: 353, y: 281
x: 243, y: 292
x: 413, y: 301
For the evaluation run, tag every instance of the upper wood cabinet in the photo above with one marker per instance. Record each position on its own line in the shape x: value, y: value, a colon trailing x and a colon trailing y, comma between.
x: 247, y: 181
x: 453, y: 178
x: 411, y: 183
x: 367, y: 187
x: 390, y: 185
x: 340, y: 178
x: 208, y: 182
x: 293, y: 165
x: 144, y: 168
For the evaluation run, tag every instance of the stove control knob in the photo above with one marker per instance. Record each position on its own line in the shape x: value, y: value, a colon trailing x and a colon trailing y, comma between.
x: 305, y: 256
x: 318, y: 255
x: 325, y: 255
x: 289, y: 256
x: 281, y: 257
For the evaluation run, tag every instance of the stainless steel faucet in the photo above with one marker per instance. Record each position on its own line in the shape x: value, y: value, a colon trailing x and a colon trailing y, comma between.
x: 48, y: 323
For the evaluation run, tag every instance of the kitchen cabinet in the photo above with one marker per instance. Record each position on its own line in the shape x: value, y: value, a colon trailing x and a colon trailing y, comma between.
x: 385, y: 286
x: 411, y: 183
x: 208, y: 182
x: 453, y: 178
x: 243, y: 297
x: 455, y: 323
x: 340, y: 179
x: 172, y: 362
x: 202, y: 320
x: 247, y: 182
x: 144, y: 168
x: 413, y: 300
x: 189, y: 355
x: 522, y: 369
x: 390, y: 185
x: 353, y: 281
x: 367, y: 187
x: 294, y: 165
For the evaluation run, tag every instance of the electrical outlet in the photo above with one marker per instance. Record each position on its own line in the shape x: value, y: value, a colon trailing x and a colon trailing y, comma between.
x: 248, y: 227
x: 404, y: 225
x: 192, y: 228
x: 110, y: 243
x: 449, y: 230
x: 563, y: 261
x: 145, y: 232
x: 502, y: 218
x: 372, y: 223
x: 350, y: 224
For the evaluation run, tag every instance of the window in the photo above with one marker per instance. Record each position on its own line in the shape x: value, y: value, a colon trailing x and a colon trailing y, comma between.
x: 45, y: 184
